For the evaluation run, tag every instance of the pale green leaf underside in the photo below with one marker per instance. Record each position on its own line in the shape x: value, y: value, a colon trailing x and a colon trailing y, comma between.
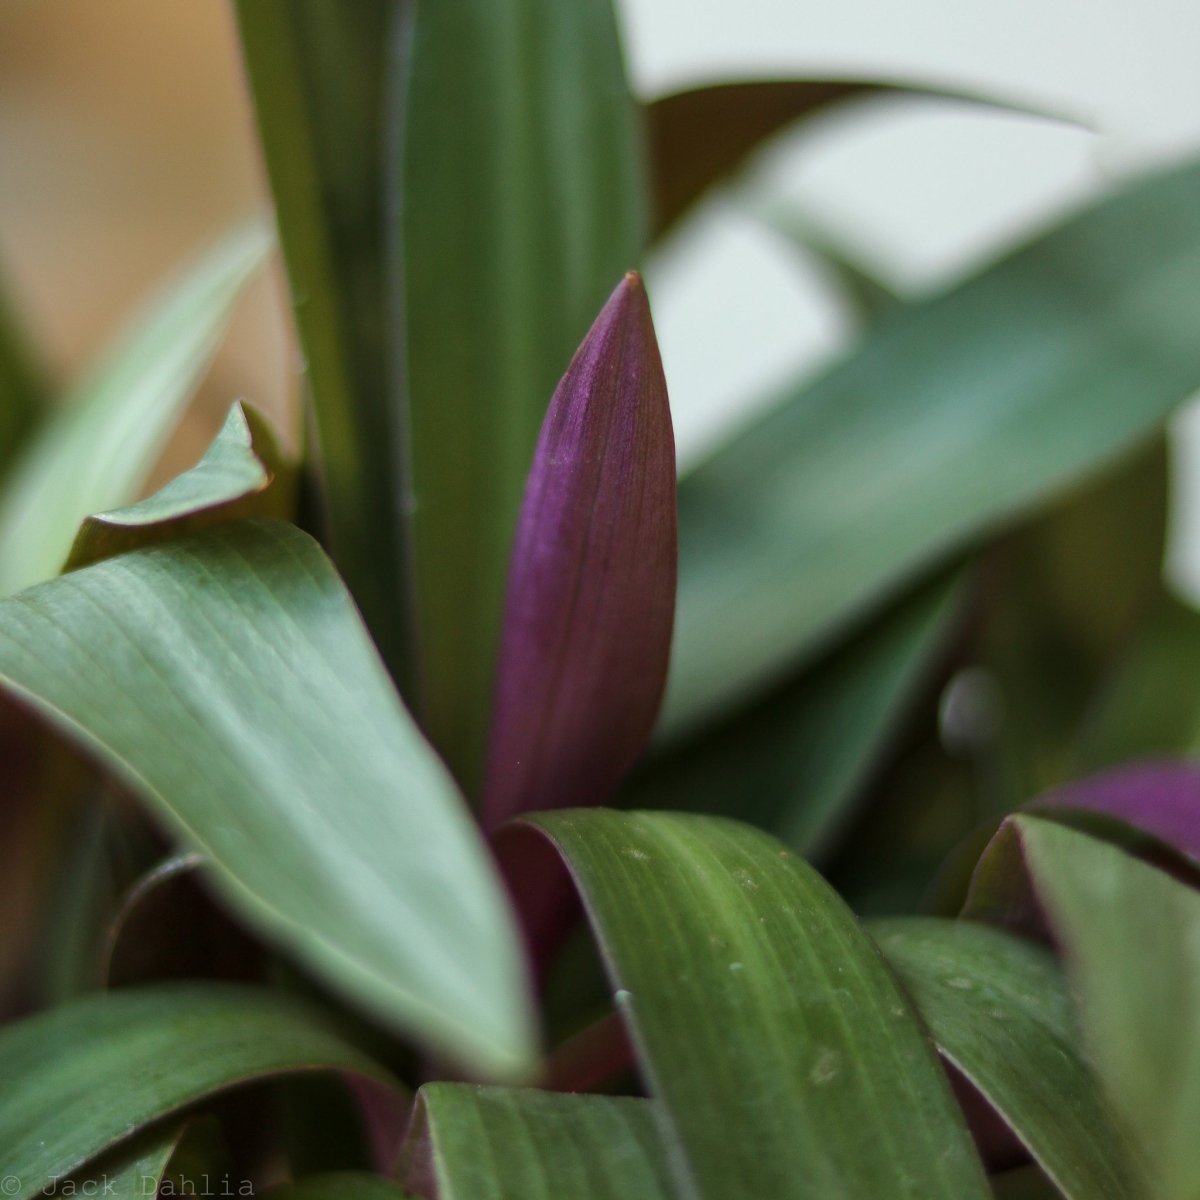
x: 785, y: 1059
x: 99, y: 447
x: 998, y: 1009
x: 521, y: 1144
x: 83, y: 1077
x: 230, y: 472
x: 228, y: 679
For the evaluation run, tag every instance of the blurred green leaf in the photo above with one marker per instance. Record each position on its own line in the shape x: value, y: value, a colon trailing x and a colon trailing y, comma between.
x: 228, y: 483
x: 23, y: 388
x: 1063, y: 595
x: 795, y: 762
x: 320, y: 77
x: 998, y: 1009
x: 96, y: 451
x: 1149, y: 705
x: 1131, y: 936
x: 227, y: 679
x: 522, y: 207
x: 780, y: 1048
x: 956, y: 415
x: 522, y: 1144
x: 85, y: 1076
x: 867, y: 295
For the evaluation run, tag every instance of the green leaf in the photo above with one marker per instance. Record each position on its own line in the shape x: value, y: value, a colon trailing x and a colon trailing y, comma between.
x: 1131, y: 936
x: 783, y: 1054
x: 1150, y: 703
x: 470, y: 1143
x: 83, y: 1077
x: 23, y: 387
x: 227, y: 679
x: 320, y: 77
x: 228, y: 483
x: 795, y: 762
x: 998, y: 1009
x: 867, y: 296
x: 1064, y: 594
x: 98, y: 448
x: 339, y: 1185
x: 135, y: 1168
x: 522, y: 208
x: 956, y: 415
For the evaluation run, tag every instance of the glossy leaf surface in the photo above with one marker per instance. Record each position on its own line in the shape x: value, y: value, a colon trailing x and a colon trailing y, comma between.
x: 955, y: 415
x: 591, y: 587
x: 99, y: 447
x: 998, y: 1009
x: 319, y: 73
x: 83, y: 1077
x: 521, y: 211
x: 471, y: 1143
x: 228, y: 681
x: 783, y: 1055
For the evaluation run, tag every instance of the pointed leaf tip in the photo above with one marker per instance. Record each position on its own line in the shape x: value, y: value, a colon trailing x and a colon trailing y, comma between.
x: 591, y: 586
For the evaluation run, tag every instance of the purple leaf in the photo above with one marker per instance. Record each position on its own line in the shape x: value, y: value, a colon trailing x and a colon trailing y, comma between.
x: 1150, y: 808
x: 1159, y: 798
x: 591, y: 586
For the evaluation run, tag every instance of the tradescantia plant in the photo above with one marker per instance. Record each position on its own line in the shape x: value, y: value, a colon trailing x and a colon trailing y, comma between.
x: 473, y: 811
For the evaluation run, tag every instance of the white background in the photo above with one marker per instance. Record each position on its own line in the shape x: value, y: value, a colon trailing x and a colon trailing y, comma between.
x: 920, y: 190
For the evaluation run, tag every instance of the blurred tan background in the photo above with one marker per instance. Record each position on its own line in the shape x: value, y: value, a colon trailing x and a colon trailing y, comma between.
x: 125, y: 144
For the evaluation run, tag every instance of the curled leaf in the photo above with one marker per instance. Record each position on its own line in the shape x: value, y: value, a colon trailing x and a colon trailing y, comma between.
x: 591, y: 588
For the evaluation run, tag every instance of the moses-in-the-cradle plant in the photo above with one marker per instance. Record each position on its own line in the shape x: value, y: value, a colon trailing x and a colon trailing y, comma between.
x: 441, y: 815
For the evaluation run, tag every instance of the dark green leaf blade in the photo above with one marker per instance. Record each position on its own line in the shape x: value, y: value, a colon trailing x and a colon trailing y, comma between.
x: 1131, y: 936
x: 83, y: 1077
x: 339, y: 1185
x: 784, y: 1056
x: 228, y: 483
x: 319, y: 73
x: 23, y: 386
x: 794, y: 762
x: 470, y: 1143
x: 522, y: 208
x: 997, y: 1007
x: 228, y: 680
x: 956, y: 415
x: 99, y: 447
